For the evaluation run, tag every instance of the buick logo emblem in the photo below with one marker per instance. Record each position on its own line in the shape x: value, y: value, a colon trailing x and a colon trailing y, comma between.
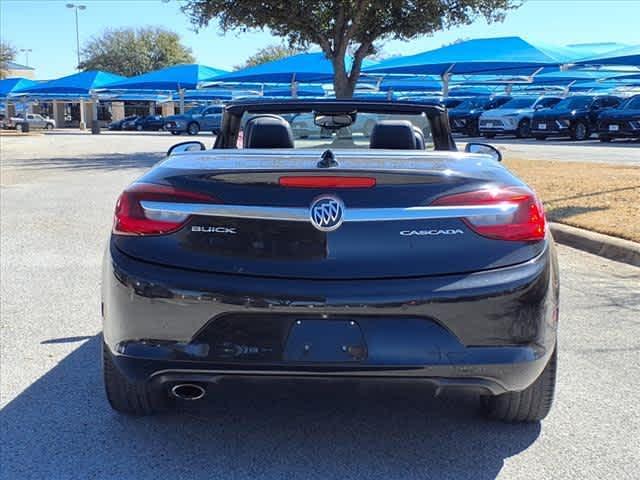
x: 326, y: 213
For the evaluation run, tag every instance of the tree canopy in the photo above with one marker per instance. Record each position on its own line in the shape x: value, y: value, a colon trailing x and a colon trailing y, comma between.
x: 342, y: 26
x: 269, y: 54
x: 128, y: 51
x: 7, y: 54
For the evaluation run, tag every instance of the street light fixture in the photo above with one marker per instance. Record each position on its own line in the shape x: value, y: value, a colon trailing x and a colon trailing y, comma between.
x: 26, y: 52
x: 77, y: 7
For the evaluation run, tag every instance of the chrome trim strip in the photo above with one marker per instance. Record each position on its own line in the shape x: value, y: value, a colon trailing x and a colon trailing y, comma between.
x: 293, y: 214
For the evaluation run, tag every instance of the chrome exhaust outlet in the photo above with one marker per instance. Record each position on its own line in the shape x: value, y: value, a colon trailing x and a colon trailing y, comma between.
x: 188, y: 391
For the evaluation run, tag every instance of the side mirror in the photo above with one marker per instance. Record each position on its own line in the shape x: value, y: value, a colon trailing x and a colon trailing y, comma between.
x: 186, y: 147
x: 484, y: 149
x: 539, y: 107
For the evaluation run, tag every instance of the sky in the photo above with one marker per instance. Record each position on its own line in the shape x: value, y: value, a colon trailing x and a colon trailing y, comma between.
x: 47, y: 27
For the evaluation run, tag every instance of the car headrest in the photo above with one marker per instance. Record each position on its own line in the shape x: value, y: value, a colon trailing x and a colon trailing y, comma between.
x: 420, y: 143
x: 393, y: 134
x: 268, y: 131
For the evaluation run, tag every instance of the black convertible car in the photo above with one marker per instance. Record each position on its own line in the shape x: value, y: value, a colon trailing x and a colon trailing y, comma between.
x: 622, y: 122
x: 464, y: 118
x: 338, y: 256
x: 575, y: 117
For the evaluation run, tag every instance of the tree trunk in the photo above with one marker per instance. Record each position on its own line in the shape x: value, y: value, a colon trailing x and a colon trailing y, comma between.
x: 342, y: 85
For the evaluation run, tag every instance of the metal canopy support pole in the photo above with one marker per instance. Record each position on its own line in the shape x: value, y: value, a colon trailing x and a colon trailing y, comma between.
x: 445, y: 84
x: 181, y: 92
x: 446, y: 76
x: 294, y: 86
x: 83, y: 124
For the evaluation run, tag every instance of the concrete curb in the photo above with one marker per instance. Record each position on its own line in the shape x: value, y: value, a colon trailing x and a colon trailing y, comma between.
x: 606, y: 246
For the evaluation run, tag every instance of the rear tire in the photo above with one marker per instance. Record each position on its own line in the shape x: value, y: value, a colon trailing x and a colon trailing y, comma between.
x: 127, y: 397
x: 531, y: 404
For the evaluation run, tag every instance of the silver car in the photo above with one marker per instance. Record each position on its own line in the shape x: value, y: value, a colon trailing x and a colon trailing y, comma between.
x: 514, y: 117
x: 34, y: 120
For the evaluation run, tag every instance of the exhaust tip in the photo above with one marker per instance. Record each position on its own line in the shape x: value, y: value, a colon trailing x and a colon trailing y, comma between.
x: 188, y: 391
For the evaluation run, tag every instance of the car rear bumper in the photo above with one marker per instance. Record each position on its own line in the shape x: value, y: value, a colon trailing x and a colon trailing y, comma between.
x: 491, y: 330
x: 553, y: 128
x: 624, y: 131
x: 503, y: 130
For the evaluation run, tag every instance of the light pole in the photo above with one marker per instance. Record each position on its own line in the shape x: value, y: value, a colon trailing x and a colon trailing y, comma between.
x: 26, y: 52
x: 76, y: 8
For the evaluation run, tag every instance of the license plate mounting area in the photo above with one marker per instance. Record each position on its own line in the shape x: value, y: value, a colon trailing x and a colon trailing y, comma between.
x: 325, y: 341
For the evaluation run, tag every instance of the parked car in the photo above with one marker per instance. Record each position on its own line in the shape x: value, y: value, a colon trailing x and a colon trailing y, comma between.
x: 382, y: 258
x: 575, y: 117
x: 117, y: 124
x: 464, y: 118
x: 514, y: 117
x: 206, y: 118
x: 35, y: 121
x: 150, y: 122
x: 621, y: 122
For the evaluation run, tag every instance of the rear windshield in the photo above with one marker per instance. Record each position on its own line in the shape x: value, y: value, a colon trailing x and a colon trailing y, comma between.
x: 315, y: 130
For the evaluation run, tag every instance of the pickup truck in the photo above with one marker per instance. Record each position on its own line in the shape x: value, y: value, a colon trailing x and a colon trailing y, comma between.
x: 33, y: 119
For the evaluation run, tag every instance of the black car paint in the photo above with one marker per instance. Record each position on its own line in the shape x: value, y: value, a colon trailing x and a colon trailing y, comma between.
x: 486, y: 320
x: 465, y: 120
x: 294, y: 250
x: 117, y: 124
x: 626, y: 117
x: 561, y: 122
x: 496, y: 329
x: 150, y: 122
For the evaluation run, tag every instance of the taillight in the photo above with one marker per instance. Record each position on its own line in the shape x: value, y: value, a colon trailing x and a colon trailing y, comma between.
x: 131, y: 219
x: 315, y: 181
x: 524, y: 223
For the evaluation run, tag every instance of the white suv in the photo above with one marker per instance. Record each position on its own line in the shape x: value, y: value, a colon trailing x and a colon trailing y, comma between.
x: 514, y: 117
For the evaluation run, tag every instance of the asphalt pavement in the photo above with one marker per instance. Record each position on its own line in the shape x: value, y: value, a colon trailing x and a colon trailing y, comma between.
x: 56, y: 206
x: 618, y: 152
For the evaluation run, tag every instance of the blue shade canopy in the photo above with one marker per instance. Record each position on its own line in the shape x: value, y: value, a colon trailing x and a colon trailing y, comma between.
x: 571, y: 76
x: 76, y: 84
x: 623, y: 56
x: 413, y: 84
x: 302, y: 91
x: 304, y: 67
x: 187, y: 76
x: 511, y: 55
x: 8, y: 85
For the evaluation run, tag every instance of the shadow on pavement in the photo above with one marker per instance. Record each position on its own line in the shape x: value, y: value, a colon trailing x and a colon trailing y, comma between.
x: 106, y: 162
x: 61, y: 428
x: 563, y: 213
